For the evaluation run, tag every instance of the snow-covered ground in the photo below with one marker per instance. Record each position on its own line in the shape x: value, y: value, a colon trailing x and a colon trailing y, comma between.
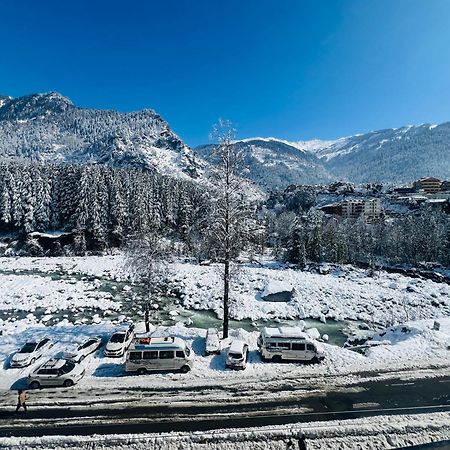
x: 374, y: 433
x: 343, y: 293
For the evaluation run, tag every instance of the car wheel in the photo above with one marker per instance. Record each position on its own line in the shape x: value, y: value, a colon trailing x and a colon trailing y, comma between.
x: 35, y: 385
x: 68, y: 383
x: 276, y: 359
x: 185, y: 369
x: 142, y: 371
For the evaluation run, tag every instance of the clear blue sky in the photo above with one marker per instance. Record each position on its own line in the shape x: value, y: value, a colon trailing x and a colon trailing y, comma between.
x: 292, y: 69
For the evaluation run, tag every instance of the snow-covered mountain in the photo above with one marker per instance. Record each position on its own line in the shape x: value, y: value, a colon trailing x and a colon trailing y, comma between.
x: 50, y: 127
x: 398, y: 154
x: 392, y: 155
x: 274, y: 164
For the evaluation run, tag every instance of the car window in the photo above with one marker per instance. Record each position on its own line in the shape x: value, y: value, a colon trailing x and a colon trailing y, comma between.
x: 310, y: 347
x: 117, y: 338
x: 42, y: 343
x: 135, y: 356
x: 285, y: 345
x: 180, y: 354
x: 235, y: 355
x: 52, y: 371
x: 166, y: 354
x: 89, y: 343
x: 150, y: 355
x: 296, y: 346
x: 67, y: 367
x: 29, y: 347
x: 42, y: 372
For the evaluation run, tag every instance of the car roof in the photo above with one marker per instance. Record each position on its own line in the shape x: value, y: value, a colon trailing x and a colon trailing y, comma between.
x: 237, y: 346
x: 54, y: 363
x: 284, y: 332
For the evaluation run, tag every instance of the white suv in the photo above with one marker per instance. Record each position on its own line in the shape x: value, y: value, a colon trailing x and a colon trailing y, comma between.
x: 119, y: 342
x: 56, y: 372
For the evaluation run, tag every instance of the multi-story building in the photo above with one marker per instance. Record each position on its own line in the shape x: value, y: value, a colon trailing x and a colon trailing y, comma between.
x: 429, y: 185
x: 369, y: 209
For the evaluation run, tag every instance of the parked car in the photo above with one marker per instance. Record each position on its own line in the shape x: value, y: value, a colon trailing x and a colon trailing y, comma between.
x: 237, y: 355
x: 159, y: 353
x: 119, y: 342
x: 87, y: 347
x: 288, y: 343
x: 30, y: 352
x: 56, y: 372
x: 212, y: 342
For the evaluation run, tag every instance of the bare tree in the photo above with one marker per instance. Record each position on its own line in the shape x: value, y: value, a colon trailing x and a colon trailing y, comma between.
x: 147, y: 258
x: 230, y: 218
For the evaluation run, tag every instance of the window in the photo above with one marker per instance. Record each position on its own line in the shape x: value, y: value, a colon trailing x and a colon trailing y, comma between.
x: 180, y: 354
x: 284, y: 345
x: 272, y: 345
x: 52, y: 372
x: 42, y: 343
x: 150, y: 355
x: 135, y: 356
x: 43, y: 372
x: 300, y: 347
x: 67, y: 367
x: 166, y: 354
x: 311, y: 348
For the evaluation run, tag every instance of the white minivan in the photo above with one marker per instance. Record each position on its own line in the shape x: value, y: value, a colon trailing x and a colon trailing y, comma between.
x: 149, y: 354
x: 287, y: 344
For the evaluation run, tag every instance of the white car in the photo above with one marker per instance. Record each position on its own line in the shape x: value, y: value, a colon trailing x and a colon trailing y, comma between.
x: 30, y: 352
x: 237, y: 355
x: 118, y: 343
x: 212, y: 343
x: 56, y: 372
x: 87, y: 347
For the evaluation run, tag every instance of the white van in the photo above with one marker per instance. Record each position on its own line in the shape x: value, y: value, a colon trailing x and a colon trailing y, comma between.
x: 287, y: 343
x: 149, y: 354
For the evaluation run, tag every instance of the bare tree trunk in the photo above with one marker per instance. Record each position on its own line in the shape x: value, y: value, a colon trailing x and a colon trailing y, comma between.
x: 226, y: 290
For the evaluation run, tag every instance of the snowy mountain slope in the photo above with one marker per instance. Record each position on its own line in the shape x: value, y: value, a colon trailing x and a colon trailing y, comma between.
x: 50, y: 127
x: 391, y: 155
x: 401, y: 154
x: 275, y: 164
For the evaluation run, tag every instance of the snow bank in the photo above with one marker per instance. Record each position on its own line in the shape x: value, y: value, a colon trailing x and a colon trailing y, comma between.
x: 372, y: 433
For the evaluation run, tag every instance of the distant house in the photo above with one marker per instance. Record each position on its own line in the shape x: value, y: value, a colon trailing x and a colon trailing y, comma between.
x: 429, y: 185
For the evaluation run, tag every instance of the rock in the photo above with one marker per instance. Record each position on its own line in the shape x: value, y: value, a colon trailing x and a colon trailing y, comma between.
x: 322, y: 318
x: 436, y: 325
x: 188, y: 321
x: 325, y: 338
x: 277, y: 291
x: 363, y: 326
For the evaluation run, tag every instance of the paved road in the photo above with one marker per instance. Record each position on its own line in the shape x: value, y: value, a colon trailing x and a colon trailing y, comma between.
x: 367, y: 399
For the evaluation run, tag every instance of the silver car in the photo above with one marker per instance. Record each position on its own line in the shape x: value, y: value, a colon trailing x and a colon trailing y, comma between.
x: 212, y: 342
x: 87, y: 347
x: 30, y: 352
x: 56, y: 372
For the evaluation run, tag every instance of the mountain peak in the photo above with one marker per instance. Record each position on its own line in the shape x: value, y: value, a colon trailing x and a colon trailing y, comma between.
x: 34, y: 106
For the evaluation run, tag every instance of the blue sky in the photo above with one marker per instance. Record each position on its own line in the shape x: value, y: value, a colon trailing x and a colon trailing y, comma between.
x: 292, y: 69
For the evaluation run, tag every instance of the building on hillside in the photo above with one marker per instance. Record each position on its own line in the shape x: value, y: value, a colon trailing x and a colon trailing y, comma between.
x: 369, y: 209
x: 429, y: 185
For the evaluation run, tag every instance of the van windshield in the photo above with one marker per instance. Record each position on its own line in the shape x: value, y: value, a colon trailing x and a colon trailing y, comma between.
x: 235, y: 355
